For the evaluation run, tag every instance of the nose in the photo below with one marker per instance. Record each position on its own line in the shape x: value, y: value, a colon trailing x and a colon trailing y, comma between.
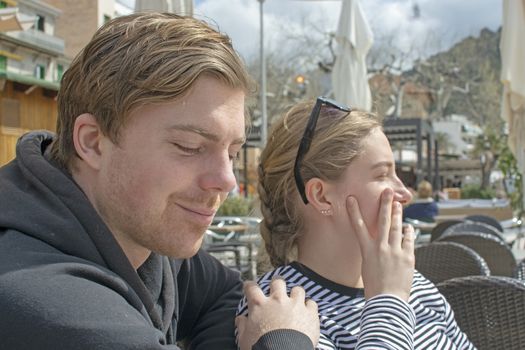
x: 219, y: 174
x: 401, y: 193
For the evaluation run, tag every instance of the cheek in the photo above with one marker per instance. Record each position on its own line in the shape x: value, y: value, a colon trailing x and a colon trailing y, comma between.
x: 369, y: 202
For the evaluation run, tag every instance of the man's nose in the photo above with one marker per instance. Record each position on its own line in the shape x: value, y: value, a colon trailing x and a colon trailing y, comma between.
x: 219, y: 174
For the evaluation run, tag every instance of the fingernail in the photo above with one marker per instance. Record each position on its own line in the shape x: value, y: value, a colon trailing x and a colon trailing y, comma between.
x: 351, y: 201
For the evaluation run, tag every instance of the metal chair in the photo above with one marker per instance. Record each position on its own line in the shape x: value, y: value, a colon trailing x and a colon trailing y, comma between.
x: 438, y: 230
x: 471, y: 226
x: 489, y: 309
x: 496, y: 253
x: 236, y: 255
x: 489, y: 220
x: 440, y: 261
x: 226, y: 228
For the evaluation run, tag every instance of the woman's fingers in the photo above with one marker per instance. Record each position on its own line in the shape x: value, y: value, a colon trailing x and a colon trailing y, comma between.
x: 409, y: 237
x: 357, y: 222
x: 396, y: 226
x: 388, y: 263
x: 385, y: 216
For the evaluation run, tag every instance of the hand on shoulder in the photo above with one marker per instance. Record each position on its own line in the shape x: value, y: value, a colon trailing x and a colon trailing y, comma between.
x: 276, y: 311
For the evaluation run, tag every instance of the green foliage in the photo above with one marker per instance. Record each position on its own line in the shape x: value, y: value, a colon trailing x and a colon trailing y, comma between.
x: 236, y: 206
x: 476, y: 191
x: 509, y: 167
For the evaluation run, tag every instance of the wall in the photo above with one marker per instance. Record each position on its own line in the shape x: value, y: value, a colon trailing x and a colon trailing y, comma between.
x: 77, y: 23
x: 36, y: 111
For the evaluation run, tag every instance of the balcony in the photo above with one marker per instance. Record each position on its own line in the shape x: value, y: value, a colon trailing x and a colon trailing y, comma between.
x: 38, y: 40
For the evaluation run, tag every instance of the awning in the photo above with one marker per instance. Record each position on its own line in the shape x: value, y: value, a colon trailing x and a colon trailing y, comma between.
x: 11, y: 20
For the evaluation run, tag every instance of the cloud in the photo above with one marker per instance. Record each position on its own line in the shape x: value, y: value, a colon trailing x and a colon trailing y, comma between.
x: 441, y: 23
x: 238, y: 18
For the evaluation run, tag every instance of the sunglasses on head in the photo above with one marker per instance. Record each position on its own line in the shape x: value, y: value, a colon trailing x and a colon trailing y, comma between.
x: 308, y: 135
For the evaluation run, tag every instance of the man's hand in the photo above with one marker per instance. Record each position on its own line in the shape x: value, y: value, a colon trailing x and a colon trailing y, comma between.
x: 277, y: 311
x: 388, y: 259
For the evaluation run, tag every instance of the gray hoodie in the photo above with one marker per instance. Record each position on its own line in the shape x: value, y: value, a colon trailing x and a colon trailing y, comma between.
x: 65, y: 283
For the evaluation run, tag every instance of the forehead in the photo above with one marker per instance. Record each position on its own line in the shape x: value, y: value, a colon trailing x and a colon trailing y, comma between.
x: 375, y: 148
x: 209, y: 106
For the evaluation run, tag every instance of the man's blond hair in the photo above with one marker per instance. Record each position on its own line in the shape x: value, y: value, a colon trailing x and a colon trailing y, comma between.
x: 140, y: 59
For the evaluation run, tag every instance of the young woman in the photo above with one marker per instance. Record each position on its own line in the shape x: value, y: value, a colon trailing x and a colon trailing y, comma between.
x: 332, y: 207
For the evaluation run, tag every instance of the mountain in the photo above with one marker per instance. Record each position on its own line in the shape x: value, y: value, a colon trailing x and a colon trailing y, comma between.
x: 462, y: 80
x: 470, y: 71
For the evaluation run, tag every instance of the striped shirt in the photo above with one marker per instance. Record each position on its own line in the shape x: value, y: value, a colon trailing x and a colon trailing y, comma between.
x: 348, y: 321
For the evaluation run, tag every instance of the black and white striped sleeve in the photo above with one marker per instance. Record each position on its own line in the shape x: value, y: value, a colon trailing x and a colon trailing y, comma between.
x: 387, y: 322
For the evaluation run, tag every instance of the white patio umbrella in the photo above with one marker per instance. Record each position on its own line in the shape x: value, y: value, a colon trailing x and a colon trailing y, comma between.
x: 354, y: 38
x: 181, y: 7
x: 512, y: 48
x: 11, y: 20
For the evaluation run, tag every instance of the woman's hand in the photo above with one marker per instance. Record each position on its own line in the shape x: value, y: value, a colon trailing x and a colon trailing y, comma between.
x: 388, y: 259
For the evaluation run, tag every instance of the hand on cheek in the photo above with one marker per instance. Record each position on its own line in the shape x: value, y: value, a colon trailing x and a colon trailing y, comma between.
x: 388, y: 258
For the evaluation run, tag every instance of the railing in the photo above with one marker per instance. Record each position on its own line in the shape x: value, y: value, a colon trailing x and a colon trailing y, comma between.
x: 39, y: 39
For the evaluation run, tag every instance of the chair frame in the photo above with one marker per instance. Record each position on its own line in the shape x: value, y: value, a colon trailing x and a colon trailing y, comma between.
x: 473, y: 226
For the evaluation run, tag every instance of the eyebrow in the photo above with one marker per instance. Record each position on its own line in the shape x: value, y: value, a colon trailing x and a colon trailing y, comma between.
x: 381, y: 164
x: 204, y: 133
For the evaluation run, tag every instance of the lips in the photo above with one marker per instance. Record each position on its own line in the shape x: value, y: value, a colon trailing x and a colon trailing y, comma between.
x: 203, y: 216
x: 203, y: 212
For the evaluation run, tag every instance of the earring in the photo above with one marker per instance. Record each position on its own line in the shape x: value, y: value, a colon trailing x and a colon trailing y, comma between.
x: 326, y: 212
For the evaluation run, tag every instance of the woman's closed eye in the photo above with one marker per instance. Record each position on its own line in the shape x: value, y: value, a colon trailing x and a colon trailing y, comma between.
x: 381, y: 175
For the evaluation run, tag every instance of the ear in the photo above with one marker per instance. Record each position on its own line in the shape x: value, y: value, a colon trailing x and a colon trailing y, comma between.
x: 87, y: 138
x: 316, y: 191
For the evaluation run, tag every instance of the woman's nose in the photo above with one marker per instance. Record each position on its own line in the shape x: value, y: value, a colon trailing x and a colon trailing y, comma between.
x: 401, y: 193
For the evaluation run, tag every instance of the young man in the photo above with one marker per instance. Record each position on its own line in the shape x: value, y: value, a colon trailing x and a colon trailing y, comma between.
x: 101, y: 225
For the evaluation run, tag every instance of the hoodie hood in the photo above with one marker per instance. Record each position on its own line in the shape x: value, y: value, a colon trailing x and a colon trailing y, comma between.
x: 42, y: 201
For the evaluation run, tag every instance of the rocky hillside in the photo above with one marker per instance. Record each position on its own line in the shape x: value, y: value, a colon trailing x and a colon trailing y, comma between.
x: 465, y: 79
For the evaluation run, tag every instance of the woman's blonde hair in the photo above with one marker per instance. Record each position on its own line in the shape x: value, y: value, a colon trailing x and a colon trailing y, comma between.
x: 336, y: 142
x: 140, y: 59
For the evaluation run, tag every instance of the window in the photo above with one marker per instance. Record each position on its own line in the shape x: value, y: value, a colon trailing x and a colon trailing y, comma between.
x: 40, y: 22
x: 3, y: 4
x: 40, y: 71
x: 60, y: 71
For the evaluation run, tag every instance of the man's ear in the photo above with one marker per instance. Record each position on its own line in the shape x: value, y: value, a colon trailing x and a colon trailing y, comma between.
x: 87, y: 138
x: 316, y: 191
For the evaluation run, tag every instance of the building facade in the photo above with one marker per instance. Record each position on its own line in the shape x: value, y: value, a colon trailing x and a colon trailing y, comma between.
x: 81, y: 18
x: 31, y: 65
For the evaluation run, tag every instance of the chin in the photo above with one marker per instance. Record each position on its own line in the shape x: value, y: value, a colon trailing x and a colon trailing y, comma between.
x: 185, y: 251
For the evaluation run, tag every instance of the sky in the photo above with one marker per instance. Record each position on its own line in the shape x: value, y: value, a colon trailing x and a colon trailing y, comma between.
x: 440, y: 24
